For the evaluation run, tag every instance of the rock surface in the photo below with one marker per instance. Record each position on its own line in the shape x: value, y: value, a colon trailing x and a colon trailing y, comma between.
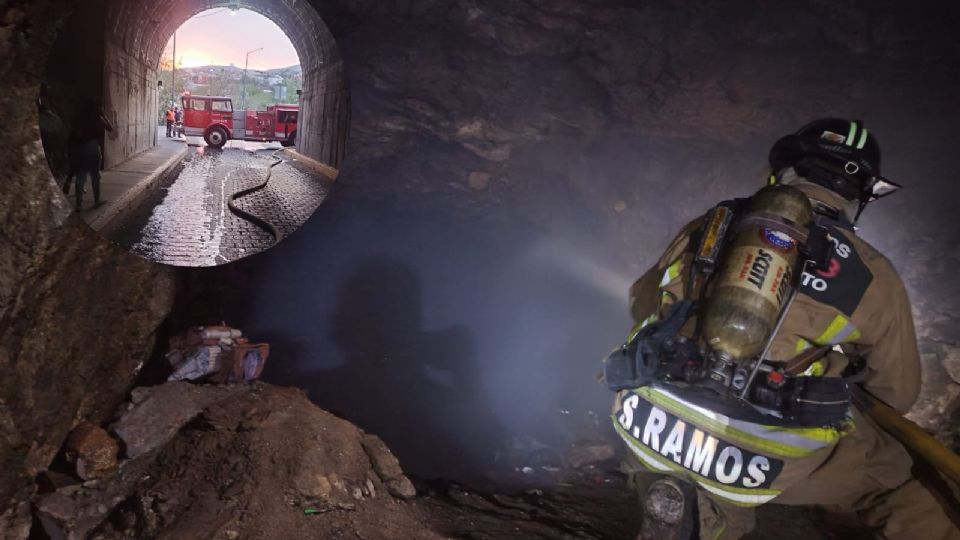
x: 159, y: 412
x: 252, y: 461
x: 77, y: 315
x: 92, y: 450
x: 388, y: 468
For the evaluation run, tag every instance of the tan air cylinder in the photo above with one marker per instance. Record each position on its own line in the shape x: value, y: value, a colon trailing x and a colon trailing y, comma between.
x: 748, y: 292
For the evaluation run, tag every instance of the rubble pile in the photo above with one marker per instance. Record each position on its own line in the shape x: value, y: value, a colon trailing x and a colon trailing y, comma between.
x: 236, y: 461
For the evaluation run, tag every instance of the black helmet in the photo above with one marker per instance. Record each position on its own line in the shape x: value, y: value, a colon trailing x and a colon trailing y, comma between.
x: 841, y: 155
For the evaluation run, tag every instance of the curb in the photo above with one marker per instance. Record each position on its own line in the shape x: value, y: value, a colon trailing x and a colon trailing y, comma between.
x: 321, y: 168
x: 134, y: 195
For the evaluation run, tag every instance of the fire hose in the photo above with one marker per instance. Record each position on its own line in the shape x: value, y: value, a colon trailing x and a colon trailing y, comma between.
x: 260, y: 222
x: 909, y: 434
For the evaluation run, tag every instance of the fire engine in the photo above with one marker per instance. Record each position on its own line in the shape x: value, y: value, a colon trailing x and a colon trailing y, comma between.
x: 213, y: 118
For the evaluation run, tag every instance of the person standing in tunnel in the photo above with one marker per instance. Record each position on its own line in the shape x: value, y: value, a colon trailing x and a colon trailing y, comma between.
x: 170, y: 118
x: 178, y: 121
x: 89, y: 123
x: 845, y: 326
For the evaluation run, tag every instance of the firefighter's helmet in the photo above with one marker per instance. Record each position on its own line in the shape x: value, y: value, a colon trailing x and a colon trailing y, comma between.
x: 841, y: 155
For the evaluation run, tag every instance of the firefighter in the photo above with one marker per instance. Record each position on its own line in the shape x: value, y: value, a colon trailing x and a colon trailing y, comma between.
x: 849, y: 320
x: 170, y: 118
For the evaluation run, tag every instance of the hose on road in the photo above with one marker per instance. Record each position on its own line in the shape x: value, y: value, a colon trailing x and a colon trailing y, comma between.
x: 256, y: 220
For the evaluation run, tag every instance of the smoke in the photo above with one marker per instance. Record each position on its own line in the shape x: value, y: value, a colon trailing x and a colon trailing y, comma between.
x: 423, y: 326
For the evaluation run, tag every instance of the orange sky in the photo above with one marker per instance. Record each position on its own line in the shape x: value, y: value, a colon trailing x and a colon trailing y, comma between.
x: 219, y: 37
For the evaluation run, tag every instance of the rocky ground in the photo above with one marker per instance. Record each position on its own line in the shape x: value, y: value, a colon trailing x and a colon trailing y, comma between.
x: 260, y: 461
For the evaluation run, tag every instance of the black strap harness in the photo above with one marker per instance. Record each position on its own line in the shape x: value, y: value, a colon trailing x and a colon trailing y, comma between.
x: 658, y: 355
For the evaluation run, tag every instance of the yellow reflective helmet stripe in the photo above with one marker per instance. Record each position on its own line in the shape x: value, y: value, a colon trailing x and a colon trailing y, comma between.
x: 775, y: 440
x: 840, y: 330
x: 863, y: 139
x: 658, y: 463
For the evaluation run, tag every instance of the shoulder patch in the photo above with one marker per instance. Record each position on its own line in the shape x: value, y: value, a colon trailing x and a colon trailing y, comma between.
x: 844, y: 283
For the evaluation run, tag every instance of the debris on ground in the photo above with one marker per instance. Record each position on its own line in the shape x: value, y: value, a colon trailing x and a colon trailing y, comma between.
x: 219, y: 353
x: 260, y: 461
x: 589, y: 453
x: 387, y: 467
x: 157, y: 413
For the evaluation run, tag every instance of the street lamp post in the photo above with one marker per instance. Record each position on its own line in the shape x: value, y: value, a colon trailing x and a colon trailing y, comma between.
x: 243, y: 83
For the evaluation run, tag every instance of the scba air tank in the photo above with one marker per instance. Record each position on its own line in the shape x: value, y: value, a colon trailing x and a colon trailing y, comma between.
x: 745, y: 299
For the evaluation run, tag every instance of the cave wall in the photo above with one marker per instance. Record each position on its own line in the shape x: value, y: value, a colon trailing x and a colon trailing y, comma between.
x: 623, y: 120
x: 77, y: 315
x: 619, y: 120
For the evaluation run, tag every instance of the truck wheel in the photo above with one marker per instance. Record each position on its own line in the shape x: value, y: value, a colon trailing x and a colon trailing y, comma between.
x: 291, y: 140
x: 216, y: 137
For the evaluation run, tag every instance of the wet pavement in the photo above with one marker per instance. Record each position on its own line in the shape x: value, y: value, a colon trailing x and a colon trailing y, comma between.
x: 186, y: 220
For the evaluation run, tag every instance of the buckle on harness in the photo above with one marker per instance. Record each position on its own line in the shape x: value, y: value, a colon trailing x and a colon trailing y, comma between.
x: 656, y: 352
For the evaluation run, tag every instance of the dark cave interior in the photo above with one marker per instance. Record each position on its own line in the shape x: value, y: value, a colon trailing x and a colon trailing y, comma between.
x: 511, y: 168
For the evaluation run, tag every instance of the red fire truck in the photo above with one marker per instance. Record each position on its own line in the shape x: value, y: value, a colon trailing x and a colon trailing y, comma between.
x: 213, y: 118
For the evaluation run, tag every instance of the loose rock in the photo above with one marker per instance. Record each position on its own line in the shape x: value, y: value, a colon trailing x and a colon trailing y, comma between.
x: 92, y: 450
x: 388, y: 468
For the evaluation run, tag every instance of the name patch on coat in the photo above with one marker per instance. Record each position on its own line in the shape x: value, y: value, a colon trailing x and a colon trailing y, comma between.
x: 843, y: 284
x: 694, y: 449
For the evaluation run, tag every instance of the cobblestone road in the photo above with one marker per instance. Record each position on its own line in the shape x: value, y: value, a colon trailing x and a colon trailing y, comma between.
x: 188, y: 222
x: 289, y: 199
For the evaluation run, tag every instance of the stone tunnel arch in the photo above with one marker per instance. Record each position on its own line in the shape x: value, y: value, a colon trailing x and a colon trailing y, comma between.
x: 122, y: 70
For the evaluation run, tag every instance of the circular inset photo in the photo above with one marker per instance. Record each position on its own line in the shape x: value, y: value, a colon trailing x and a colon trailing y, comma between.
x: 198, y: 132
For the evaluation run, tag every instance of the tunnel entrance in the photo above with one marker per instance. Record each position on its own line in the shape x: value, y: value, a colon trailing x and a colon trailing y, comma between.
x: 108, y: 53
x: 229, y: 52
x: 114, y: 81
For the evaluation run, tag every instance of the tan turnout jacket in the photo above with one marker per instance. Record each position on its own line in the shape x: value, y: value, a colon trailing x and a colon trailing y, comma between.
x: 859, y: 304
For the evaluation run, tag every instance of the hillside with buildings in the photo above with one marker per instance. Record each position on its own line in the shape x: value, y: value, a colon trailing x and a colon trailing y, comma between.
x: 263, y: 87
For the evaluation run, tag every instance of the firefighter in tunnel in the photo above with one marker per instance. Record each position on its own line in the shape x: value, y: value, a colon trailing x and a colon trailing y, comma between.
x: 764, y: 335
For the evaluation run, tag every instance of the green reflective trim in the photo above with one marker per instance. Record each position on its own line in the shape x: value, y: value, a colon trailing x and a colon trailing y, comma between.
x: 772, y: 180
x: 816, y: 369
x: 863, y: 139
x: 671, y: 273
x: 840, y: 330
x: 851, y: 134
x: 676, y: 467
x: 639, y: 326
x: 721, y: 530
x: 823, y: 436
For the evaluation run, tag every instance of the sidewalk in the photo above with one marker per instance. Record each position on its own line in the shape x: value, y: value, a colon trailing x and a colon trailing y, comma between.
x: 123, y: 186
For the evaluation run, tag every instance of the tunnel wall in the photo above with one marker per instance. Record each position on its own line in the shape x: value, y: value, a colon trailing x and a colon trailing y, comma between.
x: 138, y: 31
x: 325, y: 106
x: 74, y: 70
x: 130, y: 102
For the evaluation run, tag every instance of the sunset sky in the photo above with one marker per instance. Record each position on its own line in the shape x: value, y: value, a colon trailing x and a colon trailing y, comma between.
x: 219, y: 37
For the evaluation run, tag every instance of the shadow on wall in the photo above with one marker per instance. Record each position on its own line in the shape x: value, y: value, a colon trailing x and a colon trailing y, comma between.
x: 455, y: 340
x: 415, y: 388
